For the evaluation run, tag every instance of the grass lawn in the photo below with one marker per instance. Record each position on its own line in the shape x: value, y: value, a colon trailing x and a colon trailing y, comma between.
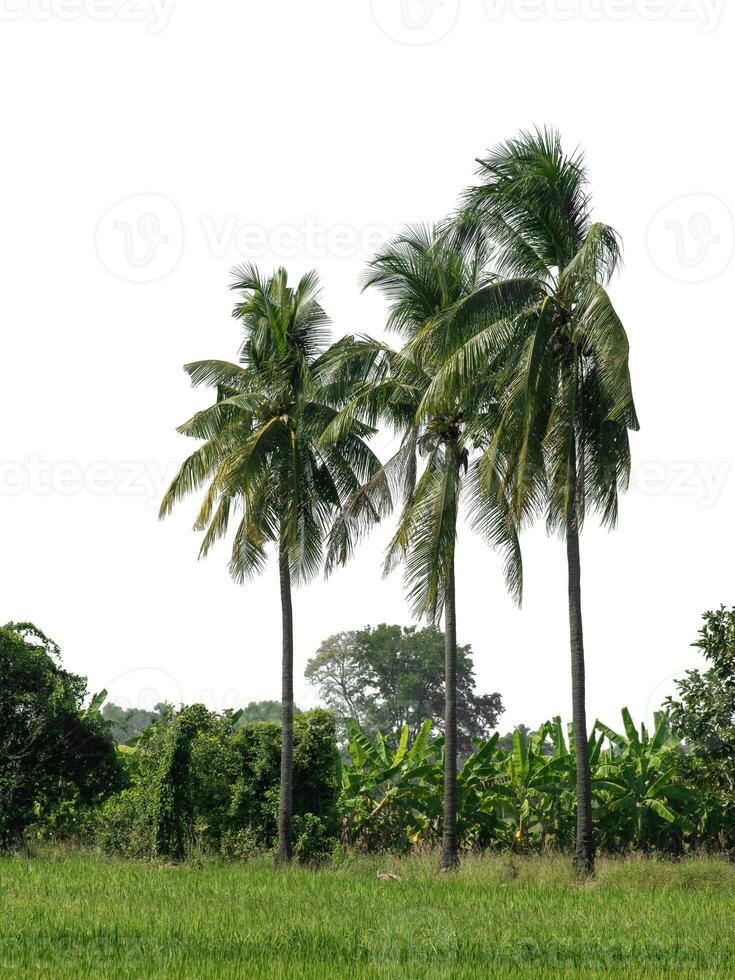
x: 76, y: 915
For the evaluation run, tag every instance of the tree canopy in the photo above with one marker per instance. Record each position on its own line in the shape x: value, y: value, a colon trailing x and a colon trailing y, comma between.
x: 703, y: 713
x: 389, y: 676
x: 130, y: 723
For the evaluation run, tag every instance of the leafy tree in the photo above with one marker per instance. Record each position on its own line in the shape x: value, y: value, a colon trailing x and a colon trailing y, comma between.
x: 386, y: 677
x: 704, y: 711
x: 565, y: 400
x: 51, y: 748
x: 263, y: 711
x: 703, y: 714
x: 129, y: 724
x: 263, y: 458
x: 423, y: 272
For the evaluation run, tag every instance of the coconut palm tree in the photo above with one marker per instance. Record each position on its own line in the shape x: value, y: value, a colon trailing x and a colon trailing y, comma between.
x: 422, y: 272
x: 566, y: 403
x: 262, y: 461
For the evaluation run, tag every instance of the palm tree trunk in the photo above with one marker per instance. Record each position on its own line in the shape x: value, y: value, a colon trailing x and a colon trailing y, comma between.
x: 450, y: 856
x: 584, y: 853
x: 285, y: 807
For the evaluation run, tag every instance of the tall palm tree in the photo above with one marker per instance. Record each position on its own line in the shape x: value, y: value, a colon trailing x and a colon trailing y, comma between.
x: 423, y: 272
x: 566, y: 405
x: 262, y: 459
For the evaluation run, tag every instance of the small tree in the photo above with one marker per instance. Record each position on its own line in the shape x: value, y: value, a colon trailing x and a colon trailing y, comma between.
x: 704, y: 711
x: 703, y: 714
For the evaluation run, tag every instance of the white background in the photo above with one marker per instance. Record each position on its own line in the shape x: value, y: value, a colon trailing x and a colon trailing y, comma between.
x: 285, y: 131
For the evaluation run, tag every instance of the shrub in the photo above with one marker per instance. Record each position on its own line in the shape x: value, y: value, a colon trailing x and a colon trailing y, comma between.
x: 199, y: 781
x: 124, y: 826
x: 313, y: 838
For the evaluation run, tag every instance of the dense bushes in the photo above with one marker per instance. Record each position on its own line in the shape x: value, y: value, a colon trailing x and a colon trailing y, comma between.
x: 55, y: 757
x: 196, y: 780
x: 645, y: 793
x: 199, y: 781
x: 202, y: 782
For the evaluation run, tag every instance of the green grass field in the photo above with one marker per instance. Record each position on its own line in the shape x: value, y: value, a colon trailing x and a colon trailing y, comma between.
x: 76, y: 915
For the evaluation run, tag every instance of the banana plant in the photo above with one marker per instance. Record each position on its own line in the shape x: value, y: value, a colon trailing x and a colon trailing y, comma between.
x: 378, y: 778
x: 637, y: 783
x: 531, y: 781
x: 480, y: 822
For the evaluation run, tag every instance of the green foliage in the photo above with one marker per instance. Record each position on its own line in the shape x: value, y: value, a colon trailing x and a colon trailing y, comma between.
x: 123, y: 825
x: 703, y: 714
x: 261, y: 456
x: 704, y: 711
x: 638, y: 779
x: 388, y: 795
x: 199, y: 781
x: 170, y: 785
x: 56, y: 758
x: 426, y: 275
x: 386, y: 676
x: 534, y: 790
x: 522, y: 797
x: 128, y: 724
x: 156, y: 816
x: 263, y: 711
x: 202, y: 782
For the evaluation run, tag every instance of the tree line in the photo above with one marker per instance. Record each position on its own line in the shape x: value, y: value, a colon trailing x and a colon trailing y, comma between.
x: 509, y: 395
x: 198, y: 781
x: 381, y: 677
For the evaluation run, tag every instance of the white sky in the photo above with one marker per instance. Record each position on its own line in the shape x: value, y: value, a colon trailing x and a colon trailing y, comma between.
x: 285, y: 131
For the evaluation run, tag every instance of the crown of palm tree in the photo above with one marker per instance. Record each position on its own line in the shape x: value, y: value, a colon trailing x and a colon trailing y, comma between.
x: 424, y: 273
x: 560, y: 348
x: 261, y: 458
